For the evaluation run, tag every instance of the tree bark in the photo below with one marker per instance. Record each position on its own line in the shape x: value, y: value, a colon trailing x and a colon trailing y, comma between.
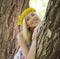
x: 9, y: 12
x: 48, y: 43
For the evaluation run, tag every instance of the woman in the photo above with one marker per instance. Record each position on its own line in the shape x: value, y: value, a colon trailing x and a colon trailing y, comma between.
x: 29, y: 20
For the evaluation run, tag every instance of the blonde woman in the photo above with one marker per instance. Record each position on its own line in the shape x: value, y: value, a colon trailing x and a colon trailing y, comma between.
x: 28, y: 20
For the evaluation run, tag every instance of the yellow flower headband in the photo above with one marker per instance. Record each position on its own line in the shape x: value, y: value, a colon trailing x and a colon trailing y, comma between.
x: 24, y: 14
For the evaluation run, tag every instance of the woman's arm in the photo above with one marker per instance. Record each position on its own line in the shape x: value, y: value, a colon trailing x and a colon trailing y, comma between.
x: 22, y: 44
x: 28, y: 54
x: 32, y: 51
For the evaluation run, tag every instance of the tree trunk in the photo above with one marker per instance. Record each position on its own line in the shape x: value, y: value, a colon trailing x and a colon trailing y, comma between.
x: 9, y: 11
x: 48, y: 43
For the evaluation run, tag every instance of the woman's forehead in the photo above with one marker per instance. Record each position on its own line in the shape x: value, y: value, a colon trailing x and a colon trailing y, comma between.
x: 30, y: 14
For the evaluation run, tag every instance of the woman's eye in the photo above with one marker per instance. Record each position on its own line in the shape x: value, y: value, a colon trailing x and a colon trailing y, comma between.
x: 32, y: 14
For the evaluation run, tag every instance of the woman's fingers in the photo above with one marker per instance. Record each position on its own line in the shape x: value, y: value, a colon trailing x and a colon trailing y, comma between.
x: 35, y: 34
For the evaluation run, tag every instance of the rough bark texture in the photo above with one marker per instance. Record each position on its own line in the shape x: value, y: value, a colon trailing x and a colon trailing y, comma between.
x: 48, y: 43
x: 9, y: 10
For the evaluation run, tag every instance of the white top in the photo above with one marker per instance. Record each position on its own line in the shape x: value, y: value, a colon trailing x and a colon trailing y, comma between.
x: 19, y: 54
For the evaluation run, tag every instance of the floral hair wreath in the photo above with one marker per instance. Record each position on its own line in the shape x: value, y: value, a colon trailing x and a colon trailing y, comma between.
x: 24, y: 14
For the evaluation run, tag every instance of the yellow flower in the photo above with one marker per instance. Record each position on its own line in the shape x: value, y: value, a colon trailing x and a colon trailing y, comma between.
x: 24, y: 14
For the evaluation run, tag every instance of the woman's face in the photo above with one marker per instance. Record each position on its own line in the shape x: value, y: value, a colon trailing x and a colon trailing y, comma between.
x: 32, y: 20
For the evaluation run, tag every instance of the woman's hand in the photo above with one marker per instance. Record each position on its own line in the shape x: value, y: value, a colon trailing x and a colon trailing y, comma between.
x: 22, y: 44
x: 36, y: 32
